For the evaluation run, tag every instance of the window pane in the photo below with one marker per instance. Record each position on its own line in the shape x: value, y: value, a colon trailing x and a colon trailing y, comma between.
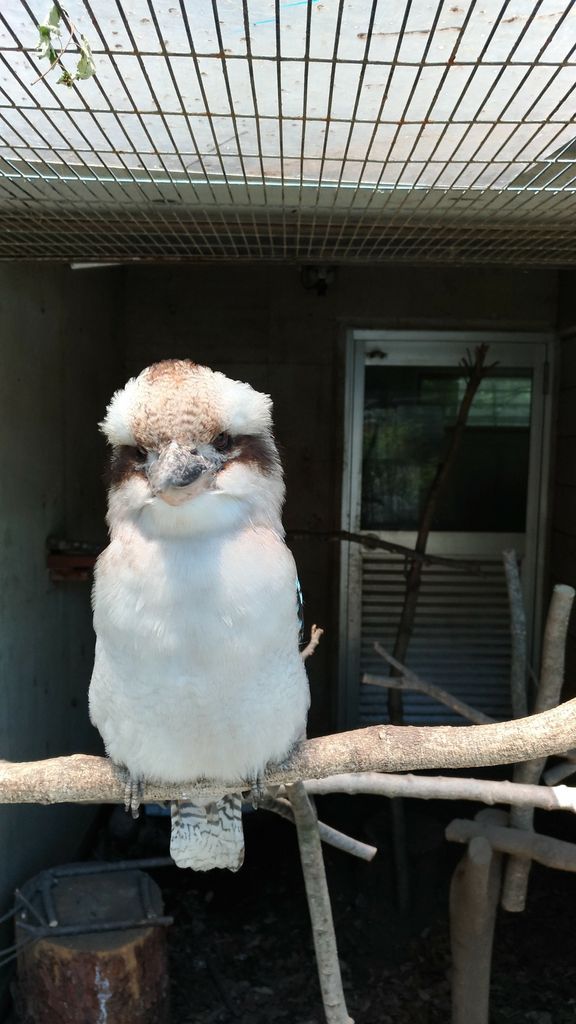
x: 408, y: 417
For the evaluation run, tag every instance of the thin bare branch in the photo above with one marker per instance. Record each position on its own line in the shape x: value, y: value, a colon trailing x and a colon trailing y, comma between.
x: 435, y: 787
x: 552, y: 776
x: 518, y: 634
x: 475, y: 368
x: 564, y: 770
x: 327, y: 834
x: 319, y: 906
x: 569, y: 755
x: 406, y: 679
x: 552, y: 853
x: 375, y: 543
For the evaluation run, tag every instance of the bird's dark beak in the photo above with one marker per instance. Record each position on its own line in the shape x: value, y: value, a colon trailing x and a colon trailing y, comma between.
x: 179, y: 473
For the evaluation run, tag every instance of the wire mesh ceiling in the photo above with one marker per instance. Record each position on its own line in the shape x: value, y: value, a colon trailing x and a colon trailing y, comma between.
x: 332, y: 131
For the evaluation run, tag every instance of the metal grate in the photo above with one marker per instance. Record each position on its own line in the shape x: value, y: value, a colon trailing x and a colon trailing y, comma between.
x: 333, y: 131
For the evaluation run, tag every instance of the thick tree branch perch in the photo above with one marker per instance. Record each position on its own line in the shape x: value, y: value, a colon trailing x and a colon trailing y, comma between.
x: 81, y: 778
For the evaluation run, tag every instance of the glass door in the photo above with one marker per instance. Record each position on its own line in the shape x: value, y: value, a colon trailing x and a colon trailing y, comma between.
x: 404, y: 395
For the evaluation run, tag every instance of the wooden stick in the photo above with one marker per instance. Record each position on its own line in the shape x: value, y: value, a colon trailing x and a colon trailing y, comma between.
x: 316, y: 633
x: 474, y: 893
x: 569, y: 755
x: 406, y: 679
x: 549, y: 691
x: 426, y: 787
x: 552, y: 853
x: 81, y: 778
x: 375, y: 543
x: 518, y: 633
x: 319, y: 906
x: 552, y: 776
x: 327, y: 834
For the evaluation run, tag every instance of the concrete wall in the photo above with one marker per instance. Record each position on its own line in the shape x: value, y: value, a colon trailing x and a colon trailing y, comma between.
x: 563, y: 543
x: 57, y: 360
x: 259, y: 324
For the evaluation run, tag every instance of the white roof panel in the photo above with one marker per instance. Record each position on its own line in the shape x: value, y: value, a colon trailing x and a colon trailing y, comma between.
x: 379, y: 112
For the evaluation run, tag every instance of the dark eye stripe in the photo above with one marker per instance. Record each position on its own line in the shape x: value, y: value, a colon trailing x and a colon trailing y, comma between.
x: 260, y: 451
x: 223, y: 442
x: 125, y: 461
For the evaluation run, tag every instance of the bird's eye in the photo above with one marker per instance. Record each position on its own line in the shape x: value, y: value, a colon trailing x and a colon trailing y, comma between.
x: 222, y: 443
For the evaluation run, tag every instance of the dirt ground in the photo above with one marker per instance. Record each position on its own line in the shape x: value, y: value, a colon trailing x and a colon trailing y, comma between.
x: 241, y: 952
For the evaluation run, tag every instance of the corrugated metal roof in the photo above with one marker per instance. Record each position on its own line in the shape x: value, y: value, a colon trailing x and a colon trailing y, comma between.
x: 334, y: 131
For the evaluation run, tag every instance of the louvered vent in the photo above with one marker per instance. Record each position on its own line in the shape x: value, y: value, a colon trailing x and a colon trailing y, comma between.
x: 460, y: 641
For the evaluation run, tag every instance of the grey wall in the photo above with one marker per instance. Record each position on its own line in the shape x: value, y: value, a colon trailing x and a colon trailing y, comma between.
x: 563, y: 544
x: 259, y: 324
x: 58, y: 359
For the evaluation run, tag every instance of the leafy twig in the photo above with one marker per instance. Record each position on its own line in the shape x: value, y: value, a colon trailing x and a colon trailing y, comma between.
x: 49, y: 47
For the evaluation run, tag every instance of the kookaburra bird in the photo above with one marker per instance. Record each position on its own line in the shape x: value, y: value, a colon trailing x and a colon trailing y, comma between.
x: 197, y: 673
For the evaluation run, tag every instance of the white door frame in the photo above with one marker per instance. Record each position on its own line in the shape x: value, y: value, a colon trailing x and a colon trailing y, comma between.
x: 388, y: 347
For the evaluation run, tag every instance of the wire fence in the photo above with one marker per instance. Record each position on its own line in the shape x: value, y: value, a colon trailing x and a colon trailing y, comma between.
x: 333, y: 131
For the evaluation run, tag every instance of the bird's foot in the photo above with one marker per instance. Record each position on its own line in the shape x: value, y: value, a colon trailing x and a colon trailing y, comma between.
x: 133, y: 792
x: 257, y: 791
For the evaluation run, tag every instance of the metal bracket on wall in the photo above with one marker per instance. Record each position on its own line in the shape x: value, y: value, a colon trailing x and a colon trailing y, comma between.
x: 71, y: 560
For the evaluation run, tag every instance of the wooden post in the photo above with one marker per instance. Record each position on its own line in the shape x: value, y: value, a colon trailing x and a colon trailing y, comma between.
x: 474, y: 894
x: 107, y: 977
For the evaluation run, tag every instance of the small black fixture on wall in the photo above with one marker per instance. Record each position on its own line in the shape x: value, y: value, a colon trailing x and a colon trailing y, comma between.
x: 317, y: 278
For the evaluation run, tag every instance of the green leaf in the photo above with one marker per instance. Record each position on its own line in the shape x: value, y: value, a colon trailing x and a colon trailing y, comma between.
x: 85, y: 67
x: 47, y: 50
x: 65, y: 79
x: 44, y: 42
x: 46, y: 30
x: 53, y: 19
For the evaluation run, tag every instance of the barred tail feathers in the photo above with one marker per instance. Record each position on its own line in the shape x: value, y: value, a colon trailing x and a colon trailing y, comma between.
x: 208, y: 837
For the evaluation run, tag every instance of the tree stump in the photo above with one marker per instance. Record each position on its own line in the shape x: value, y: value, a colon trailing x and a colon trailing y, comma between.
x: 104, y: 977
